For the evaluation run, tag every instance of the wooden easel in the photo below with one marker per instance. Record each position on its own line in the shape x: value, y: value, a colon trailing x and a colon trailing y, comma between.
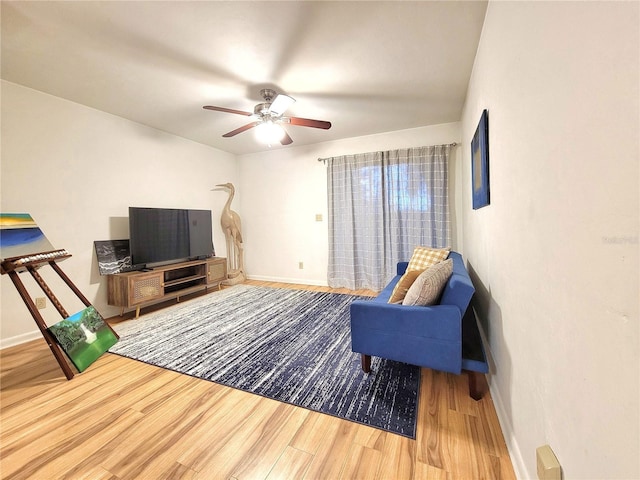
x: 31, y: 263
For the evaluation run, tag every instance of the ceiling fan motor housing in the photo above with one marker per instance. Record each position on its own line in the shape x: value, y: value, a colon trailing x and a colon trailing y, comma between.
x: 262, y: 109
x: 268, y: 94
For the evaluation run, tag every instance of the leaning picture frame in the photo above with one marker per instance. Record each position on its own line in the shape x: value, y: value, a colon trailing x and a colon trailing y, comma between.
x: 114, y: 256
x: 480, y: 163
x: 84, y: 337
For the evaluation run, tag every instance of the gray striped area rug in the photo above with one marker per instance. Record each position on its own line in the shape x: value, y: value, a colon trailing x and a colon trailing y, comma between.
x: 290, y: 345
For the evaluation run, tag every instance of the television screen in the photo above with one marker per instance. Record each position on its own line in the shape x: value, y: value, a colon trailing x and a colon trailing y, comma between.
x: 166, y: 235
x: 200, y: 240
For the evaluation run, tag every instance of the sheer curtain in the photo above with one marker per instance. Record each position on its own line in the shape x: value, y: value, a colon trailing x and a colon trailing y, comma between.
x: 381, y: 206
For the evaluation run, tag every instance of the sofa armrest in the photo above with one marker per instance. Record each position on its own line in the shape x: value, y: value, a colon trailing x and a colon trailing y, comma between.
x: 401, y: 267
x: 436, y: 322
x: 425, y: 336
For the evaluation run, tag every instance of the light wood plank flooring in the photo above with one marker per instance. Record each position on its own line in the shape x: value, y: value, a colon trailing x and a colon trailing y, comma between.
x: 122, y: 419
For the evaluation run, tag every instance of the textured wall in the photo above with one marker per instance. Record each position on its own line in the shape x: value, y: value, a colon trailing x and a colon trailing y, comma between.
x: 283, y: 190
x: 555, y: 255
x: 76, y: 170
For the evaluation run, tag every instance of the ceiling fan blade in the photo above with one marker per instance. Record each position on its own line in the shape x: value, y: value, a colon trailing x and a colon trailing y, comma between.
x: 281, y: 103
x: 227, y: 110
x: 286, y: 140
x: 307, y: 122
x: 241, y: 129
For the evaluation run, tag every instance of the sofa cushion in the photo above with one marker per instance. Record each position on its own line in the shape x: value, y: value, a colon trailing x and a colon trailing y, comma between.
x: 401, y: 288
x: 428, y: 286
x: 424, y: 257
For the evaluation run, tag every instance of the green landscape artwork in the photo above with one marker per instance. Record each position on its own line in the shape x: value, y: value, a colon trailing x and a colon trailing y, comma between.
x: 84, y: 336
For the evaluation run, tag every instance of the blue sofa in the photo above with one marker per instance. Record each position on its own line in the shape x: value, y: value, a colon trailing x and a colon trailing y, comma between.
x: 443, y: 337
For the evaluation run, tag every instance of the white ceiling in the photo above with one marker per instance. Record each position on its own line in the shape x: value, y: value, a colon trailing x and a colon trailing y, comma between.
x: 367, y: 67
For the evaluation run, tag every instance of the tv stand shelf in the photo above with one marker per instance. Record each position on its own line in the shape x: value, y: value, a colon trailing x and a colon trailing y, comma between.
x: 136, y: 289
x: 183, y: 280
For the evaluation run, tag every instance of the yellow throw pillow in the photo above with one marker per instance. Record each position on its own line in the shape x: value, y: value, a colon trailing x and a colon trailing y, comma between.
x: 403, y: 285
x: 424, y: 257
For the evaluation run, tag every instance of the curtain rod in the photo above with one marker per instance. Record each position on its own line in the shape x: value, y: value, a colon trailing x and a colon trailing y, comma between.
x: 454, y: 144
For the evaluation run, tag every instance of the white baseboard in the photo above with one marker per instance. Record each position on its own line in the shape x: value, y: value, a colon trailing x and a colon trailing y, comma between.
x: 517, y: 461
x: 19, y: 339
x: 299, y: 281
x: 507, y: 430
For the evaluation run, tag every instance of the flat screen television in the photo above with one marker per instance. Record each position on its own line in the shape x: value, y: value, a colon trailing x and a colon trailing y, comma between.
x: 159, y: 236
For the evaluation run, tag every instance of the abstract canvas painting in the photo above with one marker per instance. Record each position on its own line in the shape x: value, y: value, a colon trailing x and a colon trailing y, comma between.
x: 84, y: 337
x: 480, y: 163
x: 20, y: 236
x: 114, y: 256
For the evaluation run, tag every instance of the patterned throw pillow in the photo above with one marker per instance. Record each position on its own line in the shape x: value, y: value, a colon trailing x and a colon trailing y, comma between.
x: 403, y: 285
x: 428, y: 286
x: 424, y: 257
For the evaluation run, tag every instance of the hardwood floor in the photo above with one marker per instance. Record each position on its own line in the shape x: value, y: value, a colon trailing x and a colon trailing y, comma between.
x: 123, y: 419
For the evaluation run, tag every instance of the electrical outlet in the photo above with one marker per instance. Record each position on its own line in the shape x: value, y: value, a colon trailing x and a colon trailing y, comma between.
x: 318, y: 217
x: 300, y: 265
x: 547, y: 463
x: 41, y: 303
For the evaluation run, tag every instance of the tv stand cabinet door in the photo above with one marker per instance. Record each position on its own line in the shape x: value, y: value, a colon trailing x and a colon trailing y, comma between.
x: 145, y: 288
x: 216, y: 271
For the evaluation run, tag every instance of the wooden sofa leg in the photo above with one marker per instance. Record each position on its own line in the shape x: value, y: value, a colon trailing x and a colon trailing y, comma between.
x: 477, y: 385
x: 366, y: 362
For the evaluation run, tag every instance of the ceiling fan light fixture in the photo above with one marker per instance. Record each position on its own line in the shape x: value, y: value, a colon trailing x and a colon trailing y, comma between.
x: 268, y: 117
x: 281, y: 104
x: 269, y: 133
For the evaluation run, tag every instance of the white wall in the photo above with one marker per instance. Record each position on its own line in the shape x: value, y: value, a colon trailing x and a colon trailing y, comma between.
x: 283, y: 190
x: 76, y: 170
x: 555, y: 255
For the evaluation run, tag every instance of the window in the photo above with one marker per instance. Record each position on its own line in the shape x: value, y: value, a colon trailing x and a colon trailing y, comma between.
x: 381, y: 206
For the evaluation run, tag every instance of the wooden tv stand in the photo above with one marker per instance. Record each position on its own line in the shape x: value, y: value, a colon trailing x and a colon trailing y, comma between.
x: 136, y: 289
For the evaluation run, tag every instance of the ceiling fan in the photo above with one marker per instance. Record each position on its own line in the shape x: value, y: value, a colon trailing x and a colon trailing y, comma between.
x: 269, y: 117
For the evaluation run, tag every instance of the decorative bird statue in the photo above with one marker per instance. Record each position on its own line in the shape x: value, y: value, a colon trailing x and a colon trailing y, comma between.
x: 230, y: 222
